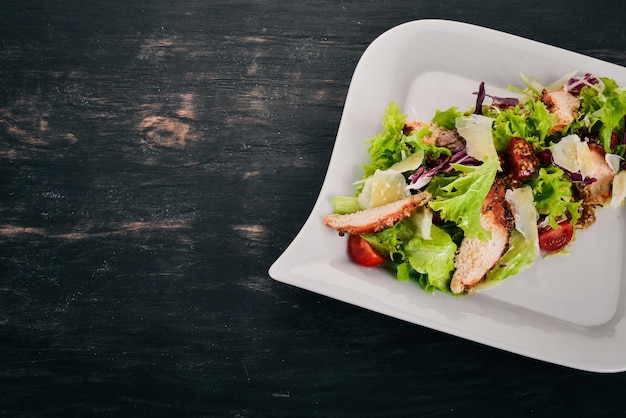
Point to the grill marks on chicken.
(376, 219)
(475, 257)
(562, 104)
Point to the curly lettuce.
(531, 121)
(459, 199)
(552, 192)
(428, 261)
(433, 259)
(604, 111)
(392, 145)
(446, 118)
(389, 146)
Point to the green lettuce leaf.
(604, 111)
(541, 122)
(520, 255)
(508, 123)
(552, 192)
(433, 259)
(446, 118)
(392, 145)
(389, 146)
(531, 121)
(429, 262)
(459, 199)
(390, 241)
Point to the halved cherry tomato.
(553, 240)
(362, 252)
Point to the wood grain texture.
(156, 158)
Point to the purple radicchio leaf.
(497, 102)
(460, 157)
(480, 98)
(419, 179)
(422, 176)
(545, 156)
(504, 102)
(577, 177)
(575, 84)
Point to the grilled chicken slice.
(601, 190)
(376, 219)
(563, 104)
(476, 257)
(411, 125)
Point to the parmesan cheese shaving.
(524, 213)
(477, 132)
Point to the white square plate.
(568, 310)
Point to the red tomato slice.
(362, 252)
(553, 240)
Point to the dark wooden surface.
(156, 157)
